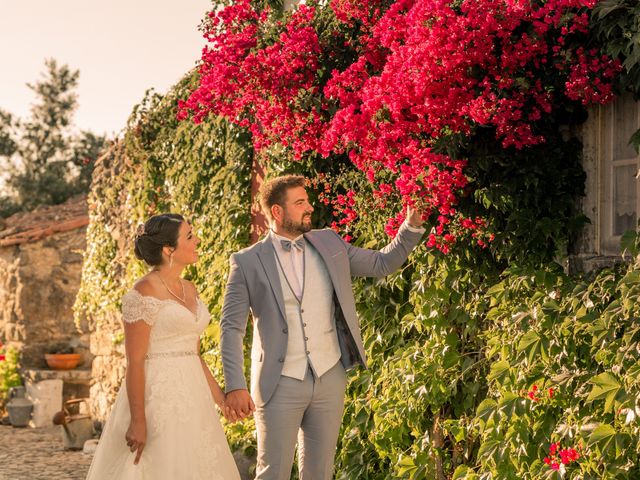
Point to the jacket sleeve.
(379, 263)
(233, 325)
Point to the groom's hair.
(274, 191)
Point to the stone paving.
(37, 453)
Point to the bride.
(164, 425)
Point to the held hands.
(414, 217)
(238, 405)
(136, 438)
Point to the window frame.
(609, 243)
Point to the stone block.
(46, 396)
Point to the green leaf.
(486, 410)
(406, 465)
(602, 436)
(605, 7)
(463, 472)
(634, 372)
(453, 428)
(605, 386)
(497, 288)
(628, 243)
(530, 345)
(631, 278)
(635, 140)
(487, 449)
(510, 404)
(499, 370)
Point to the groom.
(296, 283)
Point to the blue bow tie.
(287, 244)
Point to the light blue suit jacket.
(254, 286)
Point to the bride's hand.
(220, 400)
(136, 438)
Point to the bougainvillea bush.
(397, 86)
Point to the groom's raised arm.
(233, 326)
(379, 263)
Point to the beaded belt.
(151, 356)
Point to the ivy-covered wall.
(202, 172)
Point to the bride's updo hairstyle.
(157, 232)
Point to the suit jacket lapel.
(267, 256)
(325, 253)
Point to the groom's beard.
(297, 228)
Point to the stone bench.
(48, 389)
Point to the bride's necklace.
(184, 296)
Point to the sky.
(121, 47)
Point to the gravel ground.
(37, 453)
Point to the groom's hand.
(238, 405)
(414, 217)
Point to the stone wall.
(40, 266)
(108, 368)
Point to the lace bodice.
(175, 328)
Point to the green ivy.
(9, 373)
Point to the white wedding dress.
(185, 440)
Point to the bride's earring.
(171, 260)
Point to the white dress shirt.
(292, 262)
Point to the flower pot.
(62, 361)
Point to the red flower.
(559, 456)
(568, 455)
(532, 394)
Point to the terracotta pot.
(62, 361)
